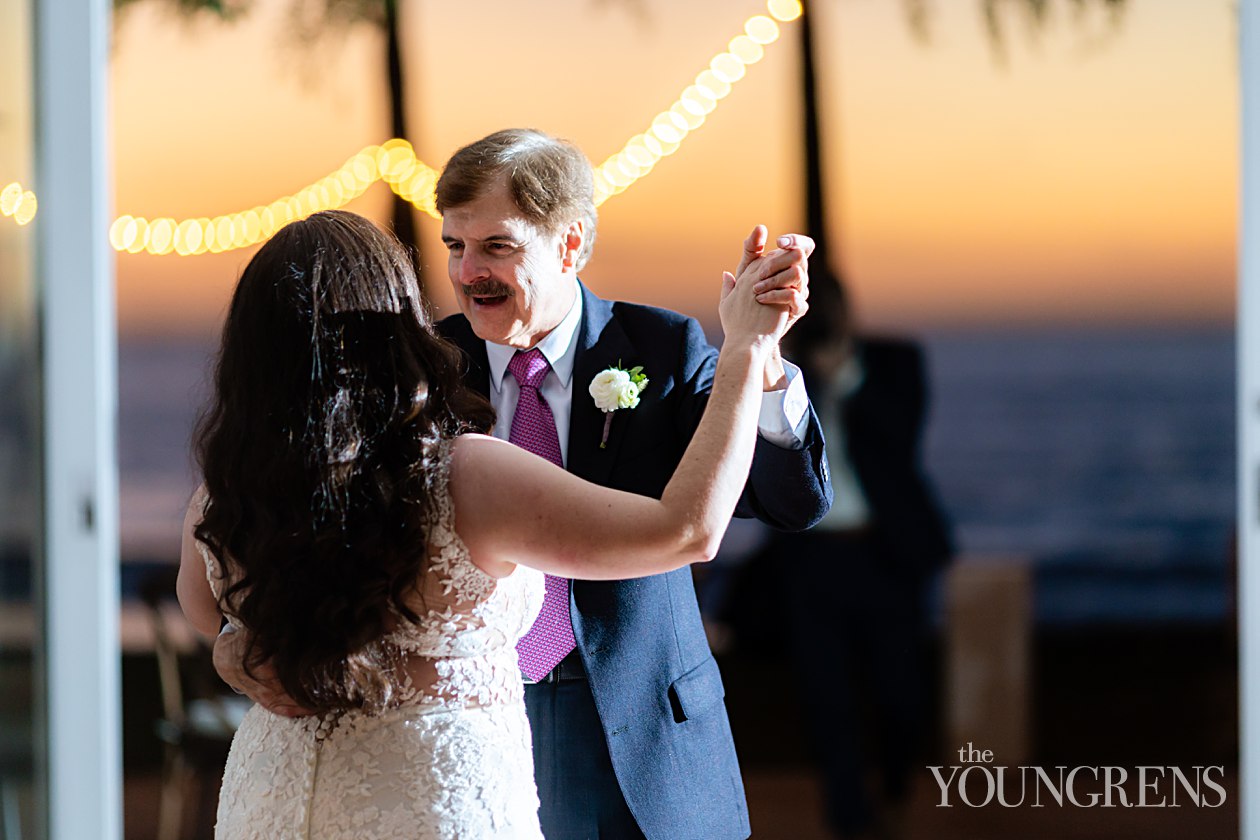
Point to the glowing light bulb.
(666, 134)
(222, 233)
(133, 236)
(118, 232)
(266, 222)
(336, 193)
(762, 29)
(29, 206)
(161, 236)
(784, 10)
(727, 67)
(699, 98)
(419, 185)
(668, 148)
(9, 198)
(692, 118)
(603, 187)
(349, 184)
(709, 82)
(203, 233)
(669, 128)
(281, 211)
(238, 230)
(394, 158)
(138, 239)
(188, 237)
(627, 166)
(252, 219)
(746, 49)
(638, 152)
(613, 173)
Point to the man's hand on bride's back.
(260, 685)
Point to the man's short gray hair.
(550, 180)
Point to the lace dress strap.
(449, 560)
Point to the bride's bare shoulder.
(476, 439)
(494, 468)
(473, 447)
(476, 458)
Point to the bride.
(385, 555)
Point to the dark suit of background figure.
(855, 585)
(655, 684)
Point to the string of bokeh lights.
(395, 163)
(17, 203)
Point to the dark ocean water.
(1106, 459)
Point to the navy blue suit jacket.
(656, 684)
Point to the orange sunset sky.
(1088, 178)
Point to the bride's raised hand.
(784, 271)
(745, 321)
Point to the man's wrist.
(774, 376)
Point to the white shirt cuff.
(785, 413)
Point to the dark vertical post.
(402, 213)
(827, 254)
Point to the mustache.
(487, 288)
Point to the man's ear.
(574, 236)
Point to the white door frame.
(1249, 419)
(75, 284)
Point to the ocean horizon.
(1103, 457)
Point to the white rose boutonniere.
(616, 388)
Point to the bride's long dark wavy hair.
(332, 393)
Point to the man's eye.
(454, 247)
(499, 247)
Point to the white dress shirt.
(850, 510)
(783, 413)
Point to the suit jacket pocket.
(696, 691)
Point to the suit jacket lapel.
(601, 344)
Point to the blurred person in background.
(856, 584)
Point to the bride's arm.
(514, 507)
(191, 586)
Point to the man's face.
(514, 281)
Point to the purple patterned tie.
(534, 429)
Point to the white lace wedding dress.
(450, 759)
